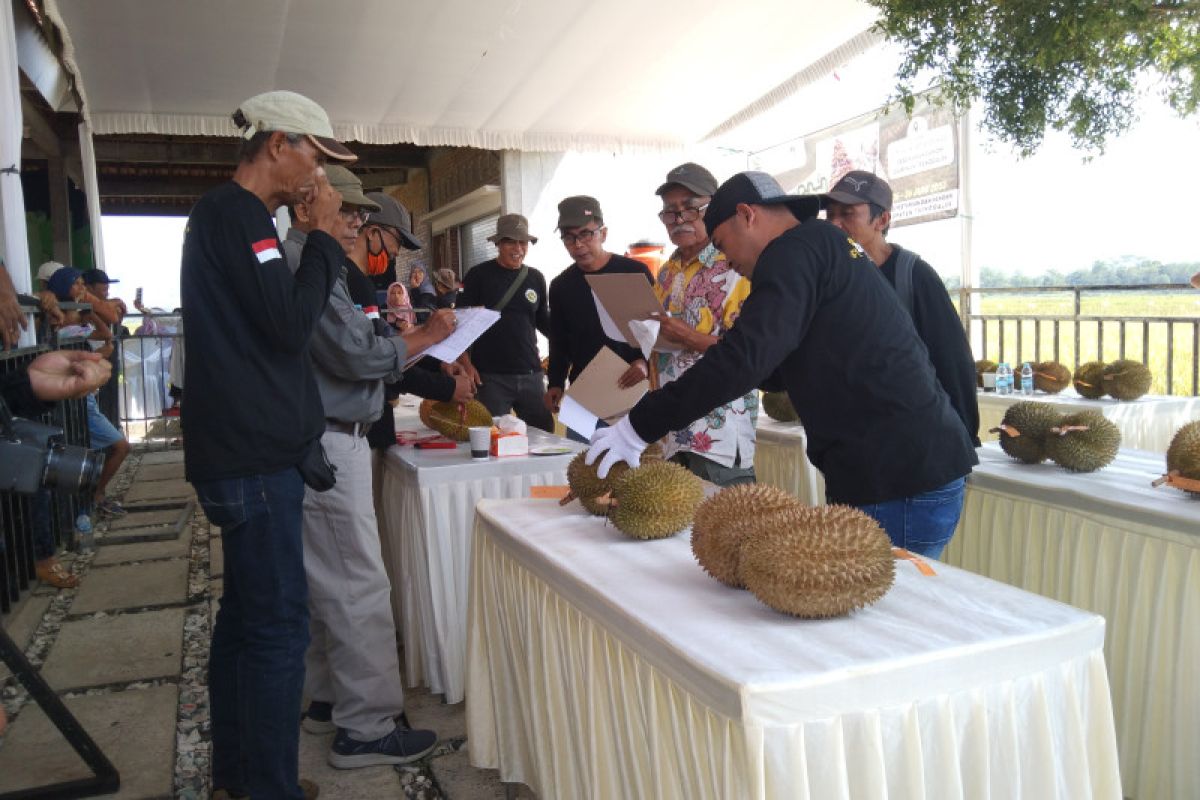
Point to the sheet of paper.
(606, 322)
(472, 322)
(646, 333)
(596, 387)
(577, 418)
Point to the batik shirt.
(707, 294)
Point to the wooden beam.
(39, 129)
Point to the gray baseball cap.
(859, 186)
(350, 187)
(693, 177)
(756, 189)
(395, 216)
(290, 112)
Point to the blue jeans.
(256, 666)
(923, 523)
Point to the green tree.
(1033, 65)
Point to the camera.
(33, 456)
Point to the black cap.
(579, 210)
(92, 277)
(859, 186)
(394, 215)
(693, 177)
(756, 189)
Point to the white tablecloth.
(780, 460)
(603, 667)
(1107, 542)
(1147, 423)
(429, 507)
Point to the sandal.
(56, 575)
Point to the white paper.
(646, 333)
(472, 322)
(606, 322)
(577, 418)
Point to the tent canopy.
(538, 75)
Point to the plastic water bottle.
(85, 533)
(1026, 378)
(1004, 378)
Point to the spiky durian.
(453, 420)
(592, 490)
(1051, 377)
(821, 561)
(982, 366)
(723, 520)
(779, 406)
(1183, 454)
(1089, 380)
(1083, 442)
(655, 500)
(1127, 379)
(1024, 428)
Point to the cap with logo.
(859, 186)
(579, 210)
(512, 226)
(350, 187)
(693, 177)
(92, 277)
(290, 112)
(47, 269)
(394, 215)
(756, 189)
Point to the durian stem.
(1009, 430)
(1085, 383)
(1065, 429)
(568, 497)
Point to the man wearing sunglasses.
(702, 295)
(575, 332)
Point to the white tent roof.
(498, 74)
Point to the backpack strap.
(512, 288)
(905, 259)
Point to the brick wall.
(455, 171)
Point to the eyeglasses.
(585, 235)
(685, 215)
(351, 214)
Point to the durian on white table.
(429, 501)
(780, 460)
(1147, 423)
(604, 667)
(1109, 542)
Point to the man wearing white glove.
(620, 442)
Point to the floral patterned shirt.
(707, 294)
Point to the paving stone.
(153, 583)
(21, 623)
(427, 710)
(162, 457)
(367, 783)
(216, 557)
(134, 728)
(157, 490)
(145, 519)
(103, 650)
(458, 780)
(121, 553)
(160, 472)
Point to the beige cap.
(291, 113)
(47, 269)
(349, 186)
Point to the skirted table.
(1108, 542)
(603, 667)
(429, 508)
(1147, 423)
(780, 460)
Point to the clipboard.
(623, 297)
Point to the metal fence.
(1157, 324)
(147, 363)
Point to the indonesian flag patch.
(265, 250)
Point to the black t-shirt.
(821, 317)
(510, 346)
(575, 332)
(252, 404)
(941, 330)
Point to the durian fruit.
(779, 406)
(1183, 456)
(820, 561)
(982, 366)
(1089, 380)
(453, 420)
(1051, 377)
(1024, 429)
(1127, 379)
(1083, 442)
(592, 490)
(723, 521)
(655, 500)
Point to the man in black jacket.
(253, 415)
(860, 203)
(822, 323)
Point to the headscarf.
(404, 311)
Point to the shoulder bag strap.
(512, 288)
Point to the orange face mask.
(377, 262)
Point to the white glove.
(622, 444)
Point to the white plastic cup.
(481, 441)
(989, 381)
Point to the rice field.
(1160, 329)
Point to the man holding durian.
(822, 323)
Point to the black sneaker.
(398, 747)
(318, 719)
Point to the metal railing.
(1076, 324)
(146, 406)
